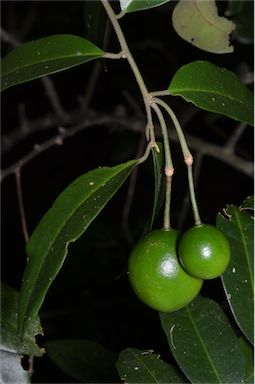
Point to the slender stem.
(21, 205)
(169, 169)
(185, 150)
(193, 196)
(127, 54)
(165, 92)
(109, 55)
(168, 159)
(187, 157)
(146, 153)
(120, 15)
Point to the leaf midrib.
(60, 230)
(145, 366)
(196, 90)
(245, 248)
(203, 346)
(209, 21)
(48, 61)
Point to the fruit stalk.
(169, 169)
(188, 158)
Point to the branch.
(136, 125)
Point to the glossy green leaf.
(45, 56)
(203, 343)
(157, 166)
(11, 369)
(214, 89)
(249, 360)
(71, 214)
(83, 360)
(140, 5)
(238, 279)
(135, 366)
(198, 23)
(10, 340)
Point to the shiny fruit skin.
(156, 274)
(204, 251)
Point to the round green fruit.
(204, 251)
(156, 274)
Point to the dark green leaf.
(157, 165)
(83, 360)
(248, 203)
(238, 281)
(214, 89)
(136, 366)
(249, 360)
(198, 23)
(203, 343)
(10, 340)
(11, 369)
(45, 56)
(139, 5)
(71, 214)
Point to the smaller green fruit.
(204, 251)
(156, 274)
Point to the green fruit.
(204, 251)
(156, 275)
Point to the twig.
(231, 143)
(24, 122)
(8, 38)
(61, 136)
(90, 88)
(200, 146)
(53, 97)
(21, 204)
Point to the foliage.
(208, 342)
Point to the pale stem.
(192, 195)
(21, 205)
(184, 146)
(169, 169)
(127, 54)
(165, 92)
(109, 55)
(146, 153)
(187, 157)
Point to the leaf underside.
(10, 340)
(198, 23)
(140, 5)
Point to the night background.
(91, 297)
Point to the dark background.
(91, 297)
